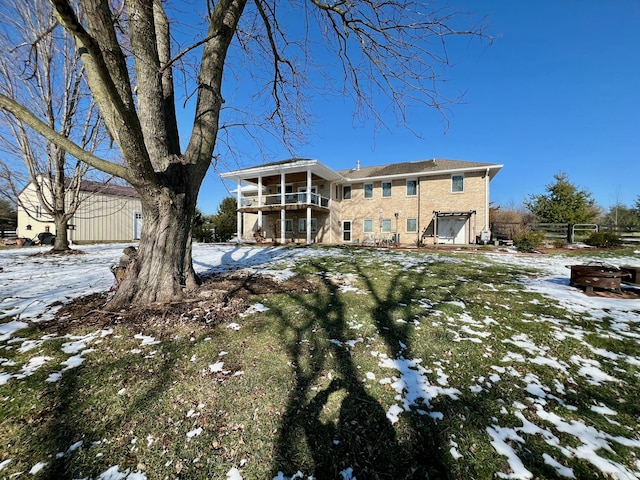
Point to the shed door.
(452, 230)
(137, 225)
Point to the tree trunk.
(61, 242)
(162, 270)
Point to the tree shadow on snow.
(362, 438)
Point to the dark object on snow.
(597, 275)
(634, 275)
(130, 254)
(46, 238)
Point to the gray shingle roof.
(408, 168)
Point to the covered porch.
(295, 190)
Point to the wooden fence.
(562, 232)
(7, 231)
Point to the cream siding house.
(107, 213)
(430, 201)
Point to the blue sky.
(557, 91)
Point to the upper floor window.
(386, 189)
(368, 190)
(412, 188)
(346, 192)
(457, 183)
(38, 211)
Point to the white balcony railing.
(289, 199)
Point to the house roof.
(270, 171)
(104, 188)
(108, 189)
(435, 166)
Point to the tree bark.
(163, 270)
(61, 243)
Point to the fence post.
(570, 233)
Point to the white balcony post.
(260, 203)
(239, 217)
(308, 207)
(283, 224)
(282, 189)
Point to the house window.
(346, 192)
(386, 226)
(287, 188)
(368, 190)
(412, 188)
(38, 211)
(302, 225)
(346, 231)
(288, 225)
(457, 183)
(386, 189)
(368, 225)
(412, 225)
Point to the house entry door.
(346, 231)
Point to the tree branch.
(23, 114)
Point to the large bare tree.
(389, 50)
(41, 69)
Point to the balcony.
(292, 201)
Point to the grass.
(303, 387)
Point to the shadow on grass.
(362, 438)
(72, 415)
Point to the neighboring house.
(429, 201)
(107, 213)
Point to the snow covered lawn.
(366, 362)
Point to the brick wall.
(433, 194)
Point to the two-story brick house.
(431, 201)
